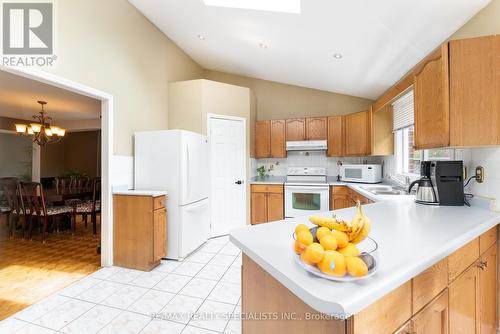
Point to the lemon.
(333, 263)
(312, 254)
(356, 267)
(322, 231)
(349, 250)
(301, 227)
(298, 247)
(342, 238)
(305, 237)
(329, 242)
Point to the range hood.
(306, 145)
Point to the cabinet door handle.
(482, 265)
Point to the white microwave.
(361, 173)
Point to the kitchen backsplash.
(489, 158)
(309, 159)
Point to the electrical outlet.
(479, 174)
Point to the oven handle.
(301, 186)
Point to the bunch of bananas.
(357, 230)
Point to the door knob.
(239, 182)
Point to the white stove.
(306, 191)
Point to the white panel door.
(228, 189)
(194, 168)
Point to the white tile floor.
(185, 296)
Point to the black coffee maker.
(441, 183)
(425, 192)
(447, 178)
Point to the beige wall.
(276, 100)
(486, 22)
(110, 46)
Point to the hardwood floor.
(31, 270)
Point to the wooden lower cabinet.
(426, 304)
(488, 291)
(464, 302)
(267, 203)
(433, 319)
(139, 231)
(343, 197)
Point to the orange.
(333, 263)
(329, 242)
(312, 254)
(356, 267)
(298, 247)
(321, 232)
(349, 250)
(342, 238)
(301, 227)
(305, 237)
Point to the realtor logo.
(28, 33)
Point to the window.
(407, 158)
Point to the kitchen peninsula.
(429, 257)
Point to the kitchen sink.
(384, 190)
(390, 192)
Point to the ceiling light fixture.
(337, 55)
(42, 132)
(282, 6)
(263, 46)
(201, 37)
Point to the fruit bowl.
(338, 262)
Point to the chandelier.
(41, 131)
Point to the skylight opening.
(282, 6)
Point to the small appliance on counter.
(425, 191)
(441, 183)
(361, 173)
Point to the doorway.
(47, 164)
(228, 195)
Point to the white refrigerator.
(177, 161)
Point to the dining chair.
(92, 207)
(63, 183)
(34, 200)
(13, 204)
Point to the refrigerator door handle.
(188, 171)
(196, 206)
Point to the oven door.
(301, 200)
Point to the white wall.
(489, 158)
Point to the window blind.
(403, 111)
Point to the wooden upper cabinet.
(316, 128)
(382, 135)
(433, 319)
(278, 139)
(296, 129)
(336, 131)
(358, 133)
(432, 107)
(475, 91)
(262, 139)
(488, 287)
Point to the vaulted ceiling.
(378, 40)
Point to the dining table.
(54, 195)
